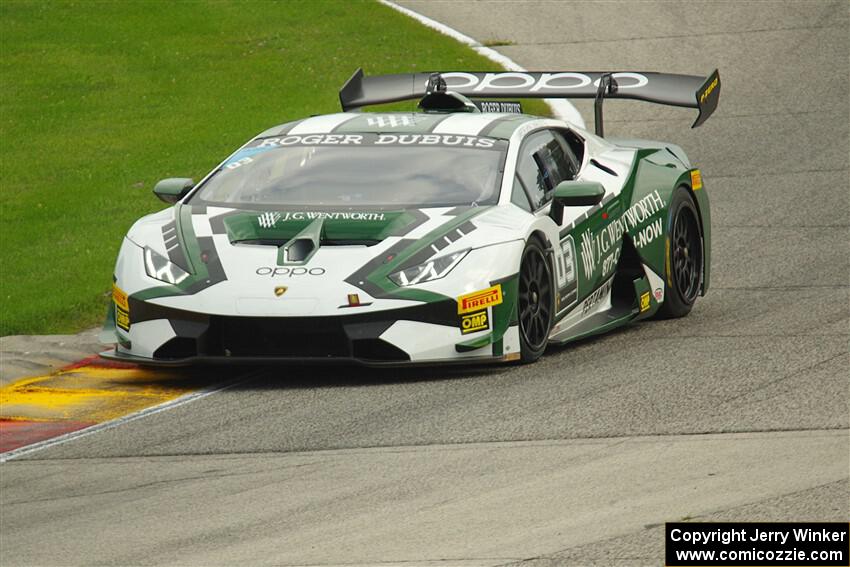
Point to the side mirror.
(173, 189)
(575, 194)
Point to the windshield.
(351, 170)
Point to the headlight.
(160, 268)
(429, 271)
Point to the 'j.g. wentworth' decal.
(268, 220)
(277, 227)
(597, 245)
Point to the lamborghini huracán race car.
(464, 232)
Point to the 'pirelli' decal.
(479, 299)
(122, 308)
(120, 298)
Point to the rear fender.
(692, 181)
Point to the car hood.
(355, 248)
(332, 227)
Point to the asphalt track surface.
(738, 412)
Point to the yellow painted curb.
(89, 393)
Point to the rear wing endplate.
(688, 91)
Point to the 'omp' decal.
(474, 322)
(644, 302)
(479, 299)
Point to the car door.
(594, 235)
(545, 159)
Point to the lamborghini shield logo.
(280, 290)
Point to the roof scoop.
(438, 99)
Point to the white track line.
(562, 109)
(171, 404)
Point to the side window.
(518, 196)
(571, 162)
(529, 171)
(544, 161)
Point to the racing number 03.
(566, 275)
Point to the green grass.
(100, 100)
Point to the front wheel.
(684, 259)
(534, 308)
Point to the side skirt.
(627, 285)
(594, 325)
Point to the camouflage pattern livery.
(203, 282)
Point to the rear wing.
(688, 91)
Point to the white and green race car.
(446, 235)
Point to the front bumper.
(425, 333)
(277, 360)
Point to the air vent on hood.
(299, 250)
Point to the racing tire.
(685, 257)
(535, 301)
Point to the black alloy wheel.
(685, 257)
(686, 249)
(534, 306)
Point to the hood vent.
(339, 228)
(298, 250)
(303, 245)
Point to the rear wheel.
(684, 257)
(534, 307)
